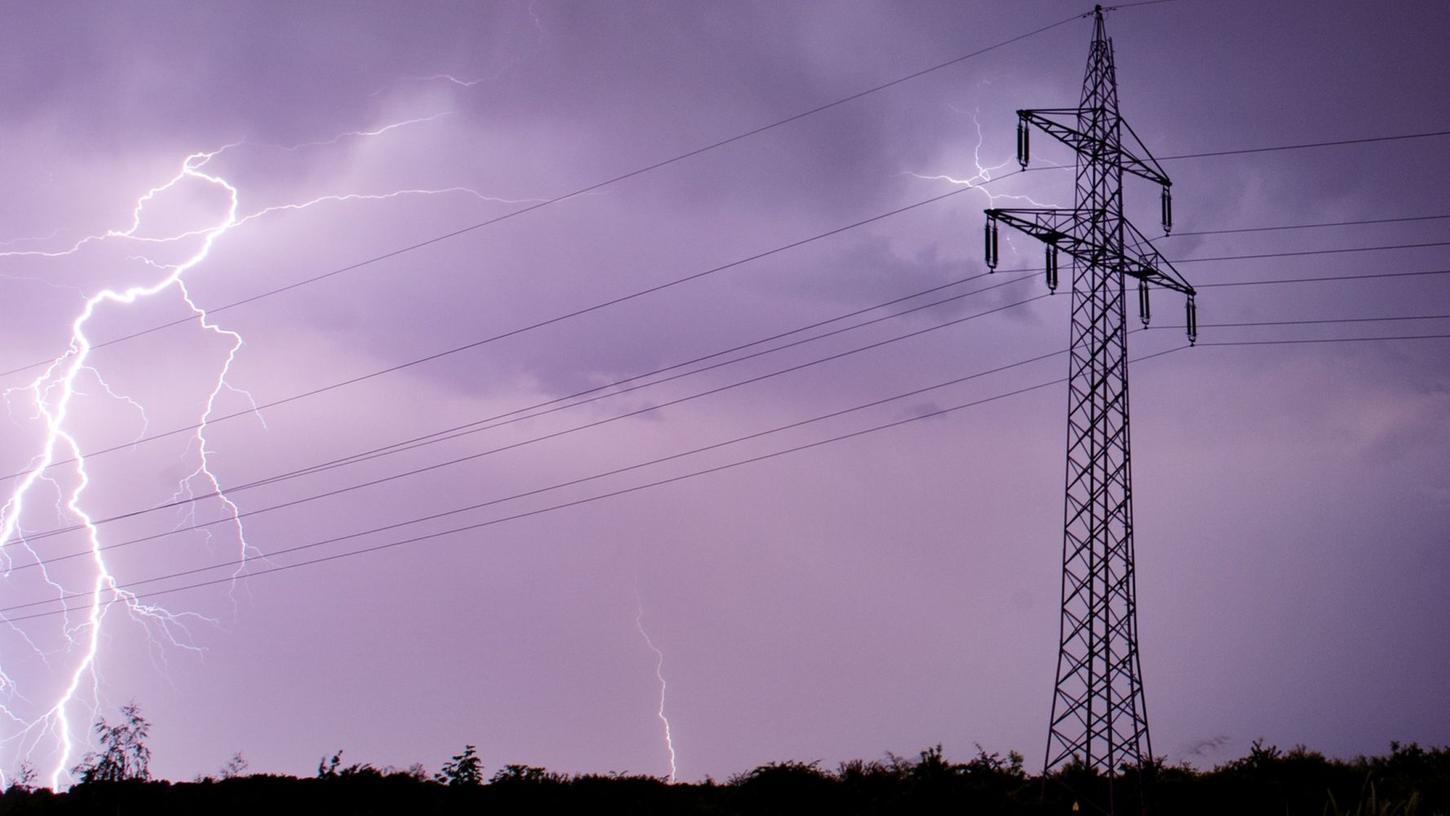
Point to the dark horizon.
(1267, 781)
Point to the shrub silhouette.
(235, 767)
(524, 775)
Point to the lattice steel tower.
(1098, 711)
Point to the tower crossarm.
(1068, 231)
(1047, 120)
(1152, 267)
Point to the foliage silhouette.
(234, 767)
(462, 769)
(524, 775)
(123, 755)
(1409, 781)
(24, 778)
(327, 766)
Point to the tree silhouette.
(24, 778)
(123, 753)
(235, 767)
(462, 769)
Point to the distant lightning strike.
(981, 177)
(53, 735)
(659, 676)
(357, 134)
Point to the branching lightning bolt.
(53, 393)
(978, 180)
(54, 735)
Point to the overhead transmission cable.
(616, 471)
(254, 409)
(1304, 340)
(1209, 154)
(598, 497)
(410, 443)
(37, 536)
(1282, 227)
(638, 293)
(471, 457)
(1312, 321)
(1305, 252)
(1325, 278)
(606, 391)
(1399, 137)
(434, 438)
(636, 466)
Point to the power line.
(1327, 278)
(1338, 251)
(1307, 145)
(521, 330)
(624, 491)
(418, 441)
(1312, 322)
(521, 414)
(1275, 148)
(453, 433)
(606, 390)
(1122, 6)
(588, 499)
(1324, 340)
(579, 191)
(409, 444)
(252, 411)
(478, 455)
(1180, 234)
(412, 443)
(440, 437)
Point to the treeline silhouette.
(1408, 781)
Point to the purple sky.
(885, 593)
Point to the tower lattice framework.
(1099, 714)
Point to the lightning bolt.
(659, 676)
(55, 733)
(53, 394)
(362, 134)
(983, 176)
(449, 78)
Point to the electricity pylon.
(1099, 716)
